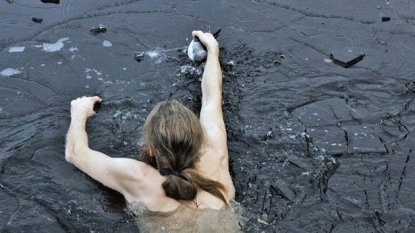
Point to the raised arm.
(115, 173)
(211, 115)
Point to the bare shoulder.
(214, 165)
(147, 189)
(132, 175)
(131, 168)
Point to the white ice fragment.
(157, 54)
(106, 43)
(88, 70)
(186, 68)
(73, 49)
(59, 63)
(97, 72)
(9, 72)
(55, 46)
(16, 49)
(307, 173)
(153, 54)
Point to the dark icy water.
(314, 147)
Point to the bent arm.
(115, 173)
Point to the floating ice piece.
(106, 43)
(346, 58)
(51, 1)
(10, 72)
(53, 47)
(37, 20)
(16, 49)
(138, 56)
(88, 71)
(100, 29)
(386, 18)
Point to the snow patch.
(16, 49)
(10, 72)
(54, 47)
(106, 43)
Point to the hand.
(84, 107)
(207, 40)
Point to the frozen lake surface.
(314, 146)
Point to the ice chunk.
(9, 72)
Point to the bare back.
(150, 191)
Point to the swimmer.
(184, 172)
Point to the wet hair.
(172, 142)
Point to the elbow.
(69, 155)
(73, 152)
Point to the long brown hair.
(172, 141)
